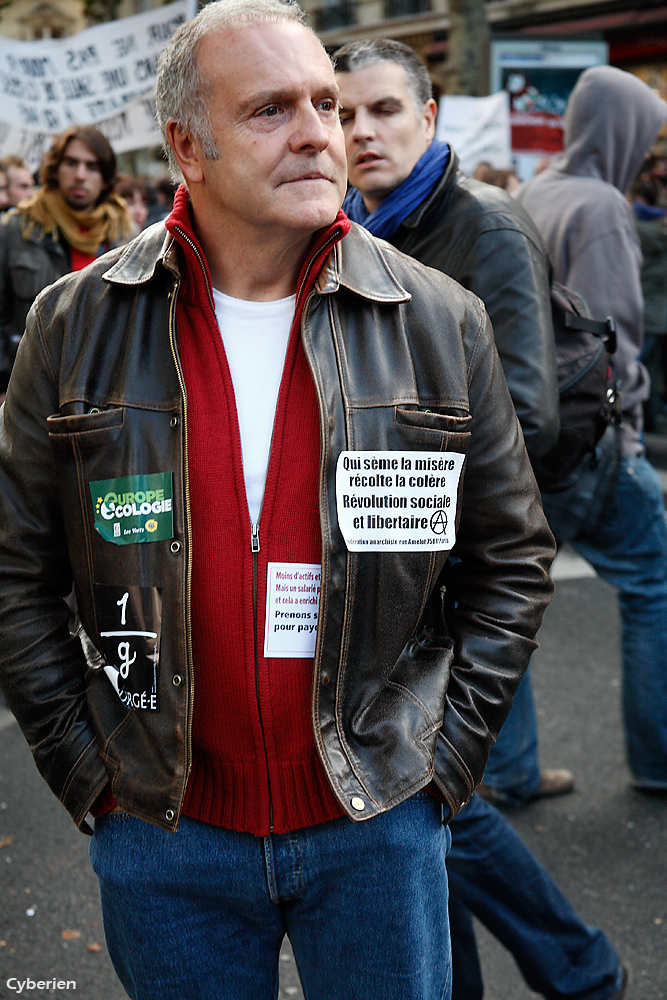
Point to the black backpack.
(589, 395)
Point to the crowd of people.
(75, 209)
(186, 406)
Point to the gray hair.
(356, 55)
(181, 89)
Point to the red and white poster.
(539, 77)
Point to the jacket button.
(173, 422)
(175, 547)
(324, 680)
(177, 680)
(358, 804)
(332, 422)
(170, 815)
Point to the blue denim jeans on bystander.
(622, 533)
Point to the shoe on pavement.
(625, 983)
(553, 781)
(650, 789)
(558, 781)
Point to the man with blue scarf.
(407, 189)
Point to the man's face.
(385, 133)
(20, 184)
(274, 118)
(79, 176)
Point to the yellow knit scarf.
(85, 231)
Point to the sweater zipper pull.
(254, 538)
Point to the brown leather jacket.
(417, 657)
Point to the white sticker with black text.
(130, 623)
(397, 500)
(292, 609)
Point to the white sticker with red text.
(397, 500)
(292, 609)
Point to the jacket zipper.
(199, 257)
(188, 524)
(325, 246)
(254, 548)
(254, 528)
(320, 404)
(321, 407)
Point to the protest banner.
(104, 76)
(478, 128)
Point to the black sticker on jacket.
(130, 623)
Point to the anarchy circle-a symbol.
(439, 522)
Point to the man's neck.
(252, 269)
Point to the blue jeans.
(622, 533)
(513, 766)
(494, 875)
(200, 914)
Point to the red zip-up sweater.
(255, 765)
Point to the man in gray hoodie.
(613, 513)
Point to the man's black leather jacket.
(417, 658)
(480, 236)
(27, 265)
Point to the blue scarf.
(403, 200)
(646, 213)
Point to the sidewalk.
(606, 844)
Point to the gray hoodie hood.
(611, 121)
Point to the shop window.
(404, 8)
(46, 20)
(337, 14)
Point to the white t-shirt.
(255, 336)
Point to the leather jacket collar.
(354, 264)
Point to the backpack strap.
(606, 329)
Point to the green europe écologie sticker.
(133, 509)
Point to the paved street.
(605, 844)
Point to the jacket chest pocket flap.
(443, 428)
(87, 430)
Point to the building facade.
(636, 35)
(29, 20)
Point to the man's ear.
(429, 115)
(187, 151)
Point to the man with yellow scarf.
(69, 221)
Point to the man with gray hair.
(248, 443)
